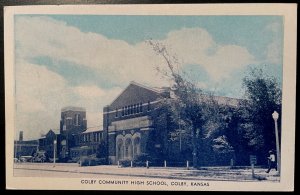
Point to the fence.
(165, 163)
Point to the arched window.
(136, 147)
(120, 149)
(128, 148)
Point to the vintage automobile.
(39, 156)
(25, 158)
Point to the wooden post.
(187, 165)
(231, 163)
(131, 164)
(147, 164)
(252, 167)
(165, 163)
(118, 163)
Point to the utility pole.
(54, 152)
(179, 135)
(275, 116)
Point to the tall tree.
(264, 97)
(189, 108)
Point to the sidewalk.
(209, 173)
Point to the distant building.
(74, 138)
(46, 143)
(73, 121)
(25, 148)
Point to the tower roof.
(73, 108)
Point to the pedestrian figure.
(271, 161)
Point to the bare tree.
(189, 107)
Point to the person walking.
(271, 161)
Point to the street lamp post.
(54, 152)
(275, 116)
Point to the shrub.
(101, 161)
(125, 163)
(91, 161)
(141, 160)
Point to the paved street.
(104, 171)
(60, 174)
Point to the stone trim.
(120, 109)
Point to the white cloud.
(89, 91)
(196, 46)
(120, 60)
(274, 49)
(41, 93)
(201, 85)
(274, 52)
(42, 36)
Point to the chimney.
(21, 136)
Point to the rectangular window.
(134, 108)
(129, 110)
(77, 120)
(116, 112)
(122, 111)
(141, 107)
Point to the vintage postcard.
(150, 97)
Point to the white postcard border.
(289, 89)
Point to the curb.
(139, 175)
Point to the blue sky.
(90, 59)
(242, 30)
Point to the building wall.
(129, 120)
(25, 148)
(47, 144)
(86, 143)
(73, 120)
